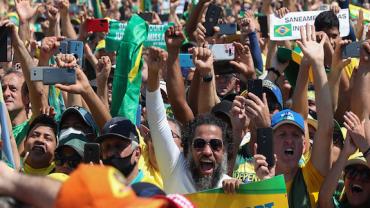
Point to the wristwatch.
(207, 78)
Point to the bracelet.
(276, 72)
(366, 153)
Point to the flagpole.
(5, 136)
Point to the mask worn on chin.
(122, 164)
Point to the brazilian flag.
(284, 30)
(97, 9)
(127, 75)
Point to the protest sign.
(117, 30)
(354, 10)
(270, 193)
(287, 28)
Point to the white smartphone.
(223, 52)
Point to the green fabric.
(97, 9)
(20, 131)
(56, 101)
(339, 189)
(298, 196)
(127, 76)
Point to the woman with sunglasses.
(356, 170)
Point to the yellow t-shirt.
(150, 174)
(313, 180)
(352, 66)
(40, 171)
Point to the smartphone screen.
(255, 87)
(5, 45)
(92, 153)
(212, 16)
(262, 21)
(352, 50)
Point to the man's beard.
(205, 182)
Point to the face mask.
(65, 132)
(122, 164)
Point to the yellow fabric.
(150, 174)
(246, 172)
(351, 66)
(41, 171)
(313, 180)
(59, 176)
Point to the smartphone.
(147, 16)
(186, 60)
(352, 50)
(92, 153)
(262, 21)
(53, 75)
(211, 20)
(5, 45)
(63, 48)
(97, 25)
(255, 87)
(77, 49)
(227, 29)
(223, 52)
(265, 145)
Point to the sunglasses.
(215, 144)
(72, 161)
(352, 172)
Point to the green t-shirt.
(20, 131)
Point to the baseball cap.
(275, 90)
(75, 141)
(84, 114)
(357, 159)
(101, 186)
(222, 107)
(287, 117)
(119, 127)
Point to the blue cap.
(85, 115)
(119, 127)
(270, 86)
(287, 117)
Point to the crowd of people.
(101, 142)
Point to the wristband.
(366, 153)
(276, 72)
(208, 78)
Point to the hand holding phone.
(227, 29)
(92, 153)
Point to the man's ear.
(137, 154)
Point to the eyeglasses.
(72, 161)
(215, 144)
(352, 172)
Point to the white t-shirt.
(172, 164)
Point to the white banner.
(287, 28)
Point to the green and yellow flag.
(270, 193)
(97, 9)
(283, 30)
(127, 75)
